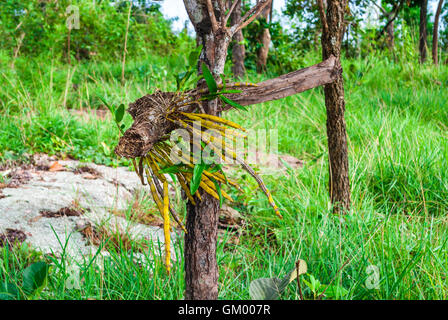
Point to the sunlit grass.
(397, 120)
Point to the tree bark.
(423, 30)
(435, 34)
(265, 40)
(333, 22)
(201, 268)
(389, 27)
(238, 49)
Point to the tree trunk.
(423, 30)
(390, 40)
(435, 34)
(201, 268)
(339, 185)
(238, 49)
(265, 40)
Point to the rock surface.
(38, 201)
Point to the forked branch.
(233, 6)
(211, 13)
(250, 16)
(323, 16)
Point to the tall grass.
(397, 120)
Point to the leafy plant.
(329, 291)
(34, 281)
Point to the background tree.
(264, 38)
(435, 34)
(332, 21)
(389, 15)
(238, 48)
(423, 30)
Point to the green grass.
(397, 120)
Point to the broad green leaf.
(233, 103)
(119, 113)
(34, 277)
(9, 291)
(211, 83)
(197, 176)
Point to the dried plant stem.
(125, 44)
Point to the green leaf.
(171, 169)
(223, 78)
(9, 291)
(232, 103)
(197, 176)
(111, 109)
(178, 79)
(211, 83)
(34, 277)
(336, 292)
(230, 91)
(119, 113)
(215, 168)
(194, 57)
(218, 190)
(173, 177)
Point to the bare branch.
(288, 84)
(235, 2)
(323, 17)
(250, 16)
(379, 7)
(211, 13)
(395, 12)
(222, 7)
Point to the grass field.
(392, 245)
